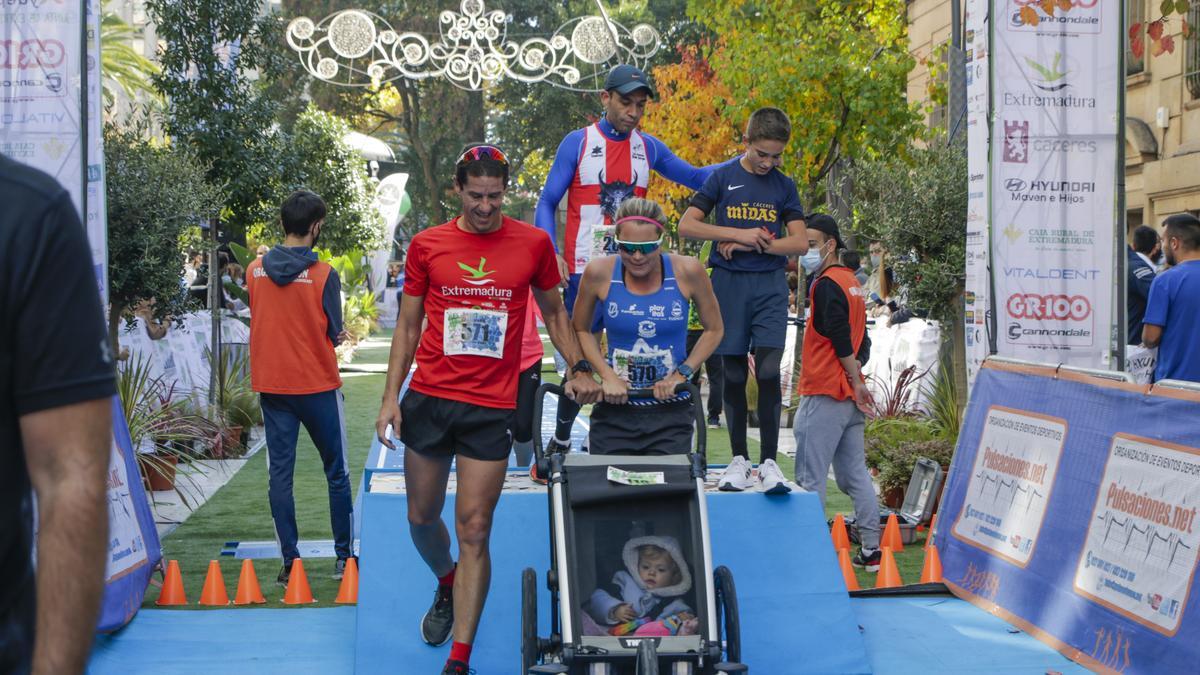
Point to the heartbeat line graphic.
(1013, 486)
(1149, 536)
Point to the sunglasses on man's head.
(482, 152)
(643, 247)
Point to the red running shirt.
(476, 289)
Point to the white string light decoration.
(357, 48)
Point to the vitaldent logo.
(477, 276)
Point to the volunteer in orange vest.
(835, 400)
(295, 322)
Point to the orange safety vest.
(821, 373)
(290, 350)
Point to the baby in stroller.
(645, 598)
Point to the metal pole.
(214, 308)
(84, 25)
(1121, 285)
(611, 29)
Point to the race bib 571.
(477, 332)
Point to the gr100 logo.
(1049, 307)
(26, 54)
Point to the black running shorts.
(439, 427)
(664, 429)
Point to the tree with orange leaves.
(687, 117)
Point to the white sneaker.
(737, 476)
(773, 482)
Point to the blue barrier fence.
(1071, 512)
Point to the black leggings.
(770, 400)
(527, 385)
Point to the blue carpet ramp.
(229, 641)
(919, 635)
(796, 616)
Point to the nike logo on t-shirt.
(731, 188)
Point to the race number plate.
(475, 332)
(642, 369)
(603, 241)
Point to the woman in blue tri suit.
(643, 296)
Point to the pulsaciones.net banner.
(1071, 512)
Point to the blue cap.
(626, 79)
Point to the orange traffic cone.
(248, 591)
(848, 575)
(348, 591)
(172, 589)
(889, 574)
(891, 534)
(931, 571)
(841, 540)
(214, 593)
(929, 537)
(298, 592)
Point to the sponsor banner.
(133, 546)
(1009, 485)
(180, 358)
(1144, 519)
(1073, 503)
(977, 285)
(41, 116)
(1053, 179)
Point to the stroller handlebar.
(550, 388)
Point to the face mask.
(875, 260)
(812, 260)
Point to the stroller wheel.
(647, 658)
(727, 611)
(530, 654)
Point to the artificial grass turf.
(240, 511)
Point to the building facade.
(1162, 105)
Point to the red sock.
(448, 580)
(460, 652)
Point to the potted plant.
(165, 428)
(886, 443)
(235, 407)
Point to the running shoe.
(533, 474)
(285, 573)
(714, 422)
(737, 476)
(439, 620)
(456, 668)
(771, 478)
(869, 561)
(339, 568)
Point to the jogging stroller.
(597, 503)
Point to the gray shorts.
(753, 308)
(642, 430)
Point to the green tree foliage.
(153, 192)
(837, 67)
(327, 165)
(216, 109)
(917, 206)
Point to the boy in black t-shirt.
(759, 223)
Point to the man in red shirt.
(471, 277)
(830, 421)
